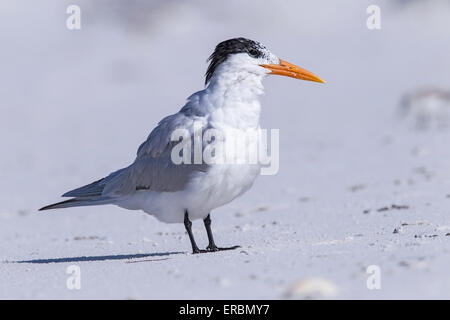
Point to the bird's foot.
(197, 250)
(213, 248)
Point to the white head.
(247, 57)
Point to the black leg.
(188, 225)
(212, 246)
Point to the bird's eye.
(253, 53)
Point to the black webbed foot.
(214, 248)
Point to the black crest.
(227, 47)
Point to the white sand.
(76, 104)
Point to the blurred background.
(76, 104)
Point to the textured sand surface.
(357, 185)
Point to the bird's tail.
(78, 202)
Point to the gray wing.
(152, 173)
(146, 173)
(93, 189)
(152, 169)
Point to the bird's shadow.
(98, 258)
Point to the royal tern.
(181, 192)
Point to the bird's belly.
(205, 192)
(221, 184)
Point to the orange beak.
(290, 70)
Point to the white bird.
(182, 192)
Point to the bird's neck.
(235, 98)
